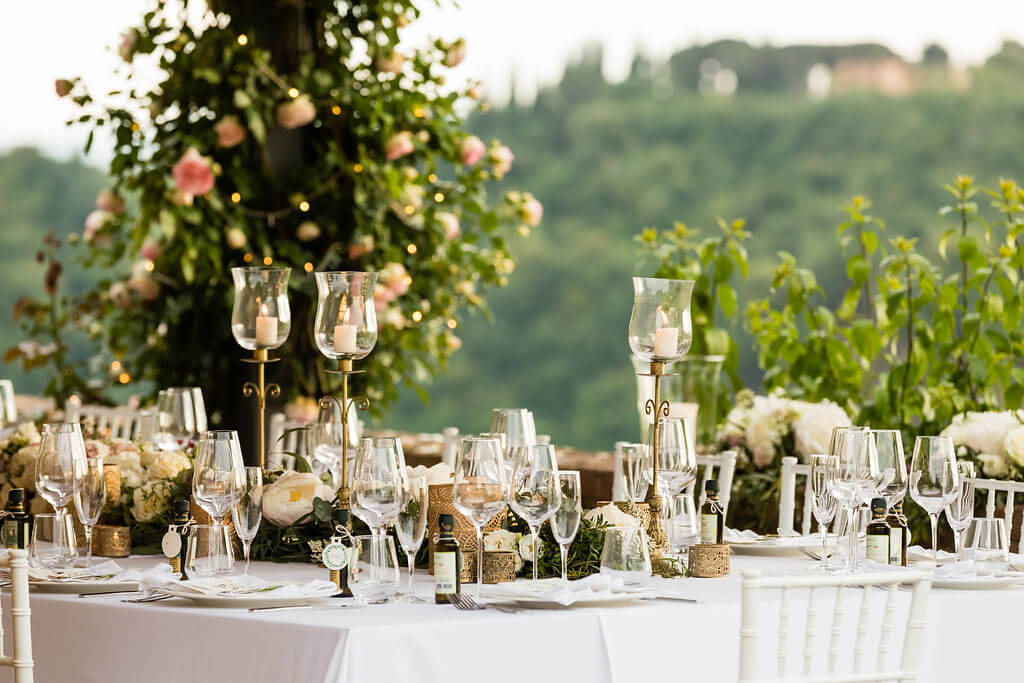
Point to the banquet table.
(969, 636)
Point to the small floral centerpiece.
(993, 440)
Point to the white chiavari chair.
(1010, 488)
(791, 468)
(721, 467)
(21, 618)
(121, 421)
(813, 593)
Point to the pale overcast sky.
(533, 39)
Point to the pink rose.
(120, 296)
(142, 282)
(450, 223)
(94, 222)
(531, 211)
(382, 296)
(391, 63)
(109, 200)
(394, 278)
(126, 50)
(502, 158)
(456, 53)
(229, 132)
(398, 145)
(63, 87)
(95, 449)
(296, 113)
(193, 174)
(150, 250)
(471, 150)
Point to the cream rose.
(471, 150)
(611, 514)
(501, 540)
(28, 431)
(168, 464)
(296, 113)
(398, 145)
(128, 463)
(291, 497)
(151, 500)
(502, 159)
(993, 466)
(96, 449)
(813, 429)
(526, 549)
(307, 231)
(450, 222)
(1013, 445)
(235, 238)
(21, 470)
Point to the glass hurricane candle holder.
(260, 318)
(346, 321)
(659, 328)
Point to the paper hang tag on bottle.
(335, 556)
(171, 544)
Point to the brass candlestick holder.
(656, 407)
(261, 390)
(362, 403)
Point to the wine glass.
(181, 416)
(218, 480)
(960, 510)
(853, 473)
(89, 500)
(248, 512)
(823, 503)
(480, 489)
(636, 466)
(887, 445)
(517, 429)
(934, 479)
(411, 525)
(323, 446)
(535, 492)
(378, 487)
(566, 520)
(677, 457)
(60, 469)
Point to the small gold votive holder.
(111, 541)
(709, 560)
(499, 566)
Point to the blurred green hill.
(607, 160)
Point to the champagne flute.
(480, 489)
(89, 500)
(60, 469)
(823, 504)
(181, 415)
(535, 492)
(411, 525)
(248, 512)
(960, 511)
(636, 464)
(218, 480)
(566, 520)
(934, 479)
(892, 465)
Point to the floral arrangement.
(994, 440)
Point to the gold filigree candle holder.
(343, 406)
(709, 560)
(499, 566)
(261, 390)
(656, 408)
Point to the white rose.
(762, 436)
(129, 465)
(151, 500)
(613, 516)
(95, 448)
(813, 429)
(982, 432)
(148, 453)
(1013, 445)
(500, 540)
(21, 470)
(168, 464)
(28, 431)
(291, 497)
(993, 466)
(526, 548)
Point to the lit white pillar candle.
(666, 338)
(345, 339)
(266, 328)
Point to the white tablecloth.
(970, 636)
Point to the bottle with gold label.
(17, 525)
(447, 561)
(878, 533)
(712, 521)
(899, 536)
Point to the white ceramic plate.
(976, 583)
(781, 547)
(541, 601)
(245, 601)
(83, 587)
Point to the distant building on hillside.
(894, 77)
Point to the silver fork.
(150, 598)
(468, 604)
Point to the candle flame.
(264, 309)
(662, 318)
(344, 313)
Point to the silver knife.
(291, 607)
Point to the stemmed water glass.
(854, 472)
(181, 417)
(636, 465)
(90, 497)
(218, 481)
(412, 524)
(60, 469)
(823, 503)
(515, 427)
(378, 488)
(480, 489)
(960, 511)
(934, 479)
(887, 447)
(566, 520)
(535, 492)
(248, 512)
(677, 457)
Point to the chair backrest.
(121, 421)
(787, 496)
(1010, 488)
(824, 587)
(720, 467)
(21, 615)
(285, 437)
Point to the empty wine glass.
(934, 479)
(636, 466)
(323, 446)
(887, 445)
(248, 511)
(181, 416)
(677, 456)
(960, 511)
(90, 497)
(853, 472)
(823, 503)
(218, 480)
(535, 492)
(681, 523)
(566, 520)
(480, 489)
(517, 429)
(378, 482)
(60, 469)
(411, 525)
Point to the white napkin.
(744, 536)
(872, 566)
(963, 569)
(917, 553)
(553, 590)
(440, 473)
(251, 585)
(104, 569)
(156, 576)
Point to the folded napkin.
(104, 571)
(964, 569)
(744, 536)
(250, 585)
(553, 590)
(917, 553)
